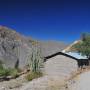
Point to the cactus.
(36, 59)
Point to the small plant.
(36, 62)
(4, 72)
(8, 72)
(13, 72)
(33, 75)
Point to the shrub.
(33, 75)
(13, 72)
(8, 72)
(4, 72)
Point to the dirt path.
(82, 82)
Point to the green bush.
(4, 72)
(33, 75)
(13, 72)
(8, 72)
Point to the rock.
(14, 48)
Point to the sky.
(60, 20)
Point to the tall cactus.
(36, 59)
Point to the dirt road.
(82, 82)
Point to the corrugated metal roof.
(76, 55)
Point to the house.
(60, 65)
(70, 59)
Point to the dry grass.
(33, 75)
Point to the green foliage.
(33, 75)
(83, 46)
(4, 72)
(8, 72)
(13, 72)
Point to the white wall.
(60, 66)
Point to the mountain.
(51, 47)
(16, 48)
(69, 48)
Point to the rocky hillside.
(51, 47)
(69, 48)
(15, 48)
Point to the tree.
(83, 46)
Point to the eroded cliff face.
(13, 48)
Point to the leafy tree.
(83, 46)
